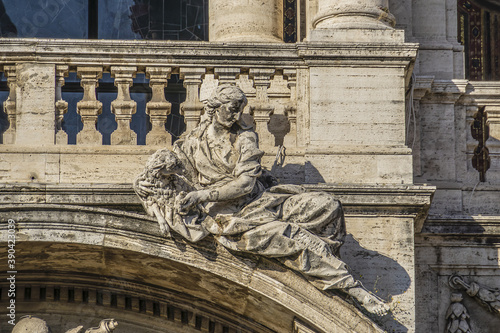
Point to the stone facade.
(371, 106)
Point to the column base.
(344, 34)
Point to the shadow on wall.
(379, 274)
(298, 174)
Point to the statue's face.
(229, 113)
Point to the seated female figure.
(221, 191)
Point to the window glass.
(115, 20)
(170, 19)
(44, 18)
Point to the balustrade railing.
(268, 82)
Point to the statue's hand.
(192, 199)
(143, 188)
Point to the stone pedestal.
(35, 100)
(246, 21)
(357, 119)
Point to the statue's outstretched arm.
(236, 188)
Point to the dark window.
(105, 19)
(478, 31)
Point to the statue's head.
(227, 104)
(30, 324)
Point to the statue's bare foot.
(369, 301)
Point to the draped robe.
(303, 230)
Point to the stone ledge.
(378, 200)
(177, 53)
(123, 243)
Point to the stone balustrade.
(200, 73)
(83, 107)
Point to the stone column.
(261, 109)
(89, 108)
(61, 105)
(192, 108)
(123, 106)
(354, 21)
(158, 108)
(9, 106)
(246, 21)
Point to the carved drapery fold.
(158, 108)
(61, 105)
(123, 106)
(9, 106)
(261, 109)
(192, 108)
(89, 108)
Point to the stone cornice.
(77, 52)
(358, 200)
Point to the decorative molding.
(487, 297)
(457, 316)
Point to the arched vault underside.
(77, 265)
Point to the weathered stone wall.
(460, 235)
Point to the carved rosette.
(89, 108)
(158, 108)
(123, 106)
(192, 108)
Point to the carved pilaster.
(123, 106)
(158, 108)
(9, 106)
(192, 108)
(290, 139)
(261, 109)
(61, 105)
(89, 108)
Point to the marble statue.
(36, 325)
(212, 183)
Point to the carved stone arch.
(76, 262)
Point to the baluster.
(9, 106)
(61, 105)
(89, 108)
(227, 75)
(261, 109)
(123, 106)
(192, 108)
(158, 108)
(290, 140)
